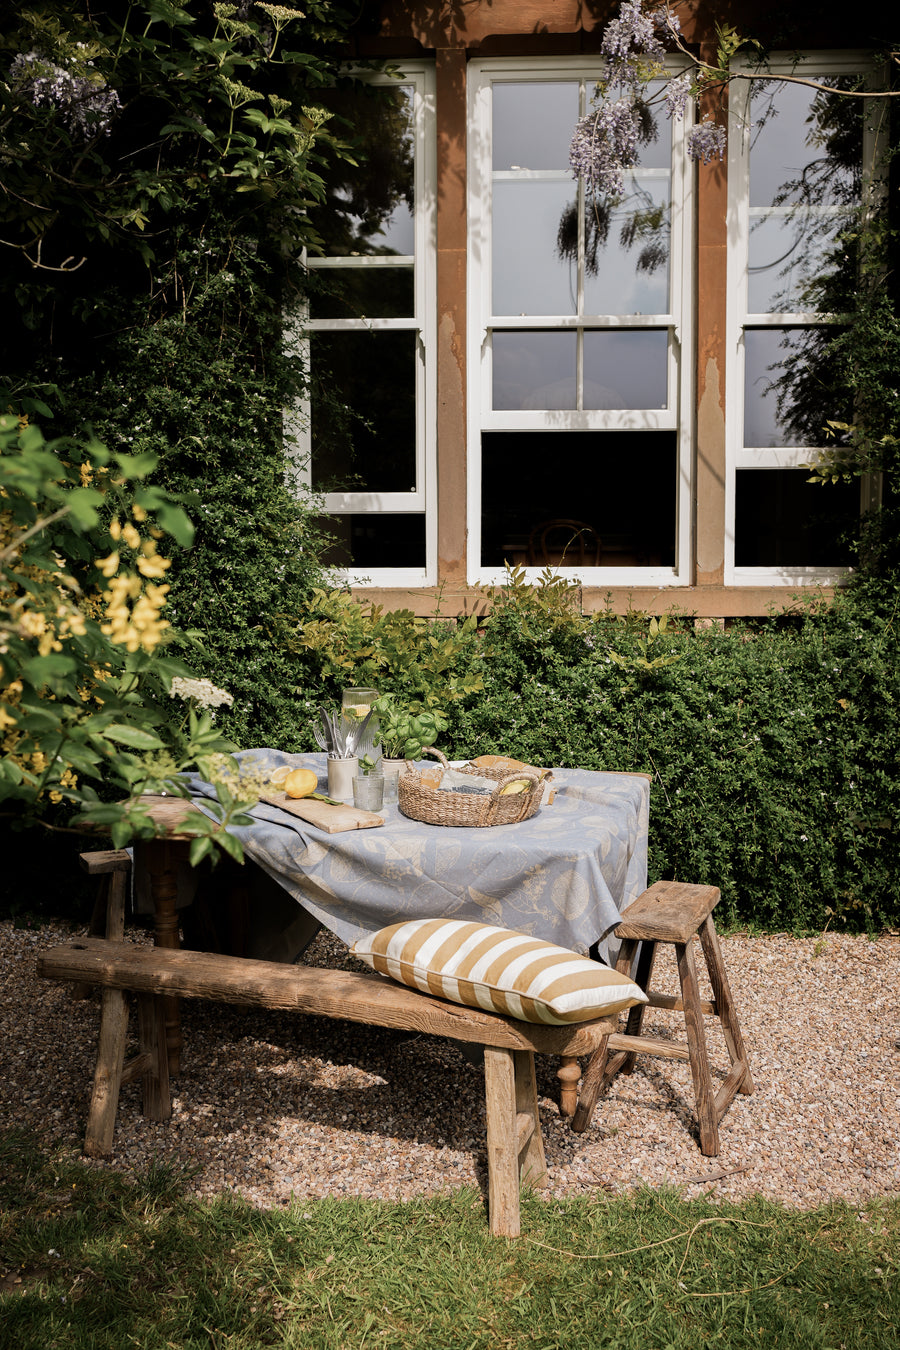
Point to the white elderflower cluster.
(203, 693)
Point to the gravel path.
(271, 1105)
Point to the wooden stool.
(672, 911)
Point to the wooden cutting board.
(331, 819)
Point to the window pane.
(789, 386)
(781, 520)
(627, 251)
(533, 124)
(361, 293)
(565, 487)
(376, 541)
(369, 207)
(805, 161)
(529, 276)
(364, 411)
(625, 369)
(806, 146)
(534, 370)
(787, 255)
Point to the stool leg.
(725, 1008)
(502, 1141)
(699, 1060)
(115, 906)
(601, 1070)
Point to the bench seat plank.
(329, 993)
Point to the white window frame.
(422, 498)
(739, 318)
(678, 323)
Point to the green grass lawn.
(95, 1260)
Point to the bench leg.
(531, 1163)
(107, 1074)
(502, 1141)
(108, 917)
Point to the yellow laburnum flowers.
(133, 608)
(132, 613)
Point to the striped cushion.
(498, 970)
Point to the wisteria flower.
(85, 102)
(707, 141)
(677, 96)
(605, 146)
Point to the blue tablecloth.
(564, 875)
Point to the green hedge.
(773, 749)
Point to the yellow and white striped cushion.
(498, 970)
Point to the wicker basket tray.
(468, 808)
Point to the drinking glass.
(368, 792)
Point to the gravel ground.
(272, 1106)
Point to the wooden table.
(403, 864)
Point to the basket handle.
(428, 750)
(533, 777)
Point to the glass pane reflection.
(529, 277)
(369, 207)
(627, 262)
(364, 411)
(361, 293)
(805, 161)
(533, 124)
(788, 253)
(625, 369)
(806, 146)
(534, 370)
(787, 373)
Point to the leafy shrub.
(424, 663)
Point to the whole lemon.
(300, 783)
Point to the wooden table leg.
(569, 1075)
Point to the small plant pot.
(341, 773)
(368, 791)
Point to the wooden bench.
(514, 1146)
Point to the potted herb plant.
(406, 731)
